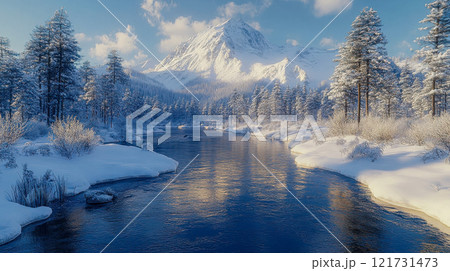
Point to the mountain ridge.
(236, 52)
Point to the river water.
(226, 201)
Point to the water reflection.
(227, 202)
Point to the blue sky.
(162, 24)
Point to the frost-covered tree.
(420, 103)
(312, 104)
(264, 107)
(364, 53)
(255, 100)
(326, 106)
(346, 76)
(435, 50)
(65, 54)
(407, 92)
(114, 68)
(39, 62)
(5, 49)
(113, 87)
(87, 72)
(276, 101)
(389, 94)
(8, 66)
(300, 102)
(131, 101)
(237, 103)
(289, 101)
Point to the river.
(226, 201)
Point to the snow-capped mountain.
(234, 52)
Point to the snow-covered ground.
(107, 162)
(399, 177)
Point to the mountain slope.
(235, 52)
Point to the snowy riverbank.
(399, 177)
(106, 163)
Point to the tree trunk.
(433, 99)
(346, 107)
(359, 103)
(367, 88)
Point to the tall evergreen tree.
(65, 54)
(435, 50)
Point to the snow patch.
(398, 177)
(107, 162)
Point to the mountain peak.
(231, 52)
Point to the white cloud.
(255, 25)
(292, 42)
(325, 7)
(182, 28)
(179, 31)
(140, 59)
(153, 9)
(123, 42)
(328, 43)
(232, 9)
(81, 37)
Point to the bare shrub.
(419, 132)
(7, 154)
(44, 150)
(340, 126)
(434, 154)
(70, 138)
(30, 149)
(440, 132)
(11, 129)
(365, 151)
(433, 132)
(382, 130)
(32, 192)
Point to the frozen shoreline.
(107, 163)
(399, 177)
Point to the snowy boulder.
(99, 196)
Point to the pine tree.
(300, 102)
(10, 78)
(312, 103)
(86, 73)
(264, 107)
(113, 85)
(326, 106)
(65, 55)
(289, 101)
(115, 69)
(407, 94)
(256, 98)
(26, 97)
(435, 50)
(38, 61)
(344, 79)
(420, 103)
(237, 104)
(366, 51)
(389, 94)
(276, 100)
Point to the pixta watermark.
(141, 126)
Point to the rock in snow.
(100, 196)
(106, 163)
